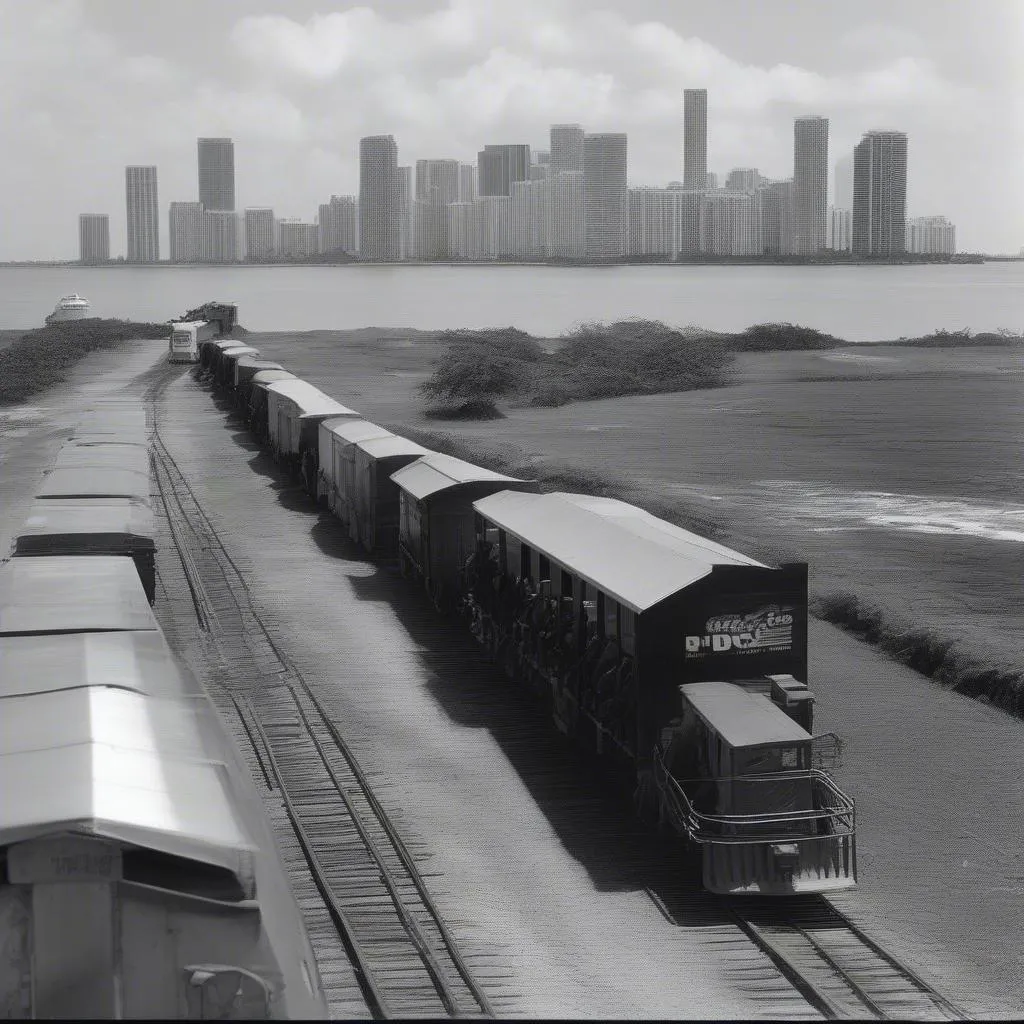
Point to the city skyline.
(297, 90)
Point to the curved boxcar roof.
(72, 594)
(264, 378)
(69, 526)
(742, 718)
(113, 421)
(622, 554)
(113, 454)
(435, 472)
(139, 661)
(388, 446)
(237, 351)
(309, 400)
(350, 431)
(95, 482)
(128, 436)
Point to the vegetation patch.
(44, 357)
(963, 338)
(939, 658)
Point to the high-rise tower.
(379, 197)
(217, 174)
(93, 237)
(880, 194)
(566, 149)
(142, 209)
(695, 138)
(605, 196)
(810, 184)
(499, 166)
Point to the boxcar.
(295, 409)
(127, 419)
(606, 610)
(257, 414)
(377, 503)
(100, 526)
(224, 364)
(436, 531)
(209, 350)
(245, 369)
(141, 878)
(336, 481)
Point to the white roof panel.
(95, 482)
(390, 446)
(72, 594)
(741, 718)
(349, 431)
(93, 524)
(131, 660)
(619, 552)
(264, 378)
(114, 454)
(310, 400)
(436, 472)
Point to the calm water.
(857, 303)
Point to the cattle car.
(187, 339)
(101, 526)
(606, 611)
(436, 527)
(258, 406)
(140, 879)
(377, 504)
(295, 410)
(336, 480)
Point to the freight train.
(671, 657)
(139, 876)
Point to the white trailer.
(187, 336)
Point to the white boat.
(71, 307)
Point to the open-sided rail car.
(377, 503)
(436, 531)
(295, 409)
(336, 482)
(258, 406)
(141, 878)
(99, 526)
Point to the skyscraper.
(185, 235)
(217, 174)
(337, 223)
(143, 215)
(931, 235)
(499, 166)
(810, 183)
(565, 225)
(406, 214)
(260, 234)
(378, 198)
(880, 194)
(566, 149)
(467, 183)
(842, 182)
(695, 138)
(437, 187)
(743, 179)
(93, 237)
(221, 237)
(605, 197)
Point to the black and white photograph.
(511, 509)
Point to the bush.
(41, 358)
(781, 338)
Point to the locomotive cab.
(734, 774)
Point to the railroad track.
(406, 962)
(839, 969)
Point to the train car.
(126, 420)
(141, 878)
(258, 406)
(210, 349)
(224, 374)
(246, 367)
(99, 526)
(436, 526)
(336, 482)
(295, 409)
(377, 502)
(187, 337)
(607, 610)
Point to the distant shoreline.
(967, 259)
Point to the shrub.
(783, 337)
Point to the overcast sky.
(88, 86)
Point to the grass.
(42, 358)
